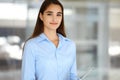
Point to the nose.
(54, 18)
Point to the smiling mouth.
(54, 23)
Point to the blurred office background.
(94, 25)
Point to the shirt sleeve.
(28, 63)
(73, 74)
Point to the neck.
(52, 35)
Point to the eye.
(59, 14)
(49, 14)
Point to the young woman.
(48, 54)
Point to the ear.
(41, 16)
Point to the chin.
(54, 27)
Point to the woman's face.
(52, 17)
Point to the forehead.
(54, 8)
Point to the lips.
(54, 23)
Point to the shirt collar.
(62, 39)
(43, 37)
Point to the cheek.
(60, 19)
(46, 20)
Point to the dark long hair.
(39, 27)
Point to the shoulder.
(72, 43)
(31, 42)
(68, 41)
(35, 40)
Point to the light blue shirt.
(43, 61)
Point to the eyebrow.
(52, 12)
